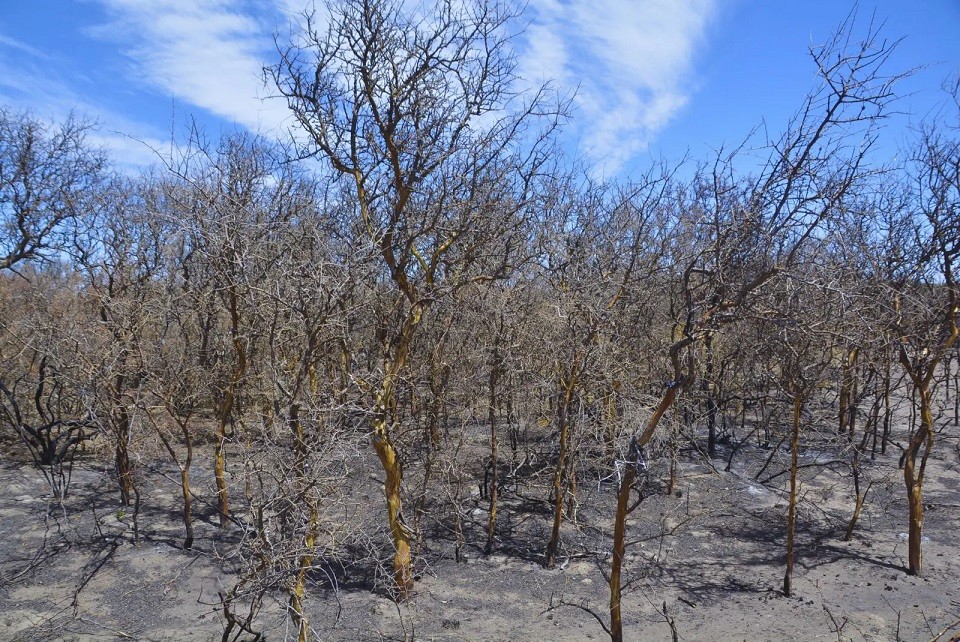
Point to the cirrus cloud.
(629, 61)
(208, 53)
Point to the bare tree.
(927, 305)
(416, 109)
(120, 252)
(47, 177)
(602, 243)
(800, 350)
(41, 399)
(759, 227)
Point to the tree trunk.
(298, 591)
(857, 509)
(858, 452)
(709, 390)
(560, 473)
(792, 508)
(913, 470)
(921, 439)
(624, 508)
(383, 411)
(492, 418)
(121, 452)
(956, 392)
(887, 411)
(187, 512)
(619, 549)
(226, 409)
(847, 392)
(187, 507)
(219, 470)
(402, 559)
(299, 439)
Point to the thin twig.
(944, 630)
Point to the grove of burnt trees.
(419, 288)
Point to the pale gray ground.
(714, 556)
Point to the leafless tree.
(42, 400)
(757, 228)
(926, 305)
(416, 109)
(47, 177)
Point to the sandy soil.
(709, 559)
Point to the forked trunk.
(392, 466)
(629, 476)
(858, 452)
(184, 425)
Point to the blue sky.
(652, 77)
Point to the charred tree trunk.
(495, 368)
(887, 410)
(858, 451)
(568, 385)
(847, 393)
(709, 391)
(121, 427)
(913, 470)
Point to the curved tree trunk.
(402, 559)
(624, 509)
(384, 406)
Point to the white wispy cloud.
(33, 85)
(13, 43)
(629, 61)
(207, 53)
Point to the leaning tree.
(748, 231)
